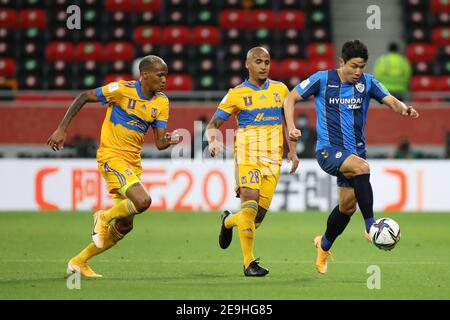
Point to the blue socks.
(364, 197)
(336, 224)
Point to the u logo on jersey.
(277, 97)
(154, 112)
(248, 101)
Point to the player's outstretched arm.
(56, 140)
(399, 107)
(212, 131)
(289, 104)
(292, 152)
(164, 139)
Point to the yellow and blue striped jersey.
(259, 114)
(129, 116)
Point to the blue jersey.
(341, 108)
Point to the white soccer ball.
(385, 233)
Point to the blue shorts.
(330, 160)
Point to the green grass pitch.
(176, 256)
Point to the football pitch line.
(221, 261)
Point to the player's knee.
(124, 227)
(362, 168)
(143, 204)
(348, 210)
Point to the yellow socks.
(112, 237)
(246, 228)
(121, 209)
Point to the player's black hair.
(149, 61)
(393, 47)
(354, 49)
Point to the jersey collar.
(140, 93)
(256, 88)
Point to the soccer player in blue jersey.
(342, 99)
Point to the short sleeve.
(378, 91)
(310, 86)
(227, 106)
(109, 93)
(163, 117)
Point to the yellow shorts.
(262, 176)
(119, 175)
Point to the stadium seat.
(291, 35)
(234, 50)
(147, 34)
(30, 48)
(30, 65)
(206, 82)
(231, 4)
(57, 16)
(292, 49)
(117, 76)
(147, 49)
(422, 5)
(60, 51)
(119, 51)
(444, 84)
(31, 81)
(119, 5)
(86, 3)
(233, 18)
(318, 17)
(320, 34)
(33, 18)
(417, 18)
(290, 4)
(91, 16)
(148, 18)
(177, 16)
(420, 52)
(205, 16)
(262, 19)
(440, 6)
(90, 81)
(176, 34)
(7, 67)
(177, 50)
(206, 65)
(9, 4)
(178, 64)
(8, 18)
(319, 63)
(441, 36)
(204, 51)
(179, 82)
(7, 49)
(147, 6)
(205, 34)
(424, 83)
(291, 19)
(320, 50)
(419, 34)
(88, 67)
(441, 19)
(293, 67)
(423, 68)
(60, 66)
(117, 67)
(231, 80)
(233, 35)
(60, 81)
(8, 34)
(274, 69)
(89, 51)
(61, 34)
(122, 33)
(90, 33)
(117, 18)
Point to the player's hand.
(56, 140)
(172, 137)
(292, 157)
(410, 112)
(294, 134)
(215, 148)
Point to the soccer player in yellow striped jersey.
(258, 106)
(132, 108)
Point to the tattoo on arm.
(77, 104)
(215, 122)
